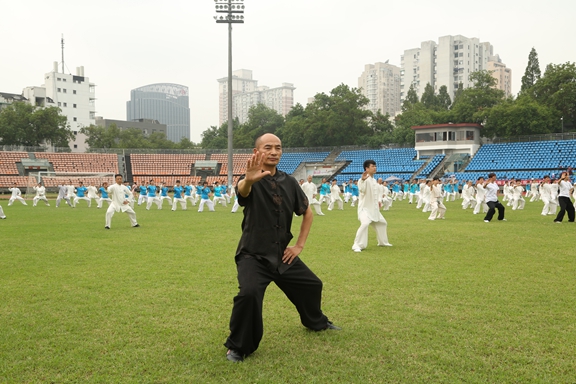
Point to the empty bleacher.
(527, 160)
(168, 180)
(429, 168)
(9, 171)
(398, 162)
(81, 162)
(239, 161)
(290, 161)
(164, 167)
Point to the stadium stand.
(81, 162)
(163, 164)
(429, 168)
(9, 172)
(526, 160)
(398, 162)
(291, 160)
(238, 160)
(169, 180)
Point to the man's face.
(118, 179)
(309, 178)
(271, 146)
(371, 170)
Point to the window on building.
(424, 137)
(451, 136)
(59, 104)
(74, 91)
(469, 135)
(58, 89)
(75, 146)
(64, 90)
(461, 46)
(58, 79)
(65, 104)
(63, 79)
(460, 54)
(75, 119)
(74, 105)
(75, 132)
(460, 135)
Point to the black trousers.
(299, 283)
(492, 205)
(565, 206)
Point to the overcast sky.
(314, 44)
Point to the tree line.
(546, 103)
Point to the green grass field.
(457, 300)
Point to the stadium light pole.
(229, 12)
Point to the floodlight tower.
(229, 12)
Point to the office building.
(164, 102)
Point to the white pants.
(76, 199)
(191, 198)
(437, 210)
(361, 240)
(235, 206)
(130, 212)
(468, 202)
(324, 198)
(317, 207)
(19, 198)
(43, 198)
(480, 203)
(518, 203)
(426, 203)
(220, 200)
(181, 201)
(337, 200)
(207, 202)
(58, 199)
(2, 215)
(162, 198)
(154, 199)
(386, 203)
(142, 198)
(354, 200)
(535, 196)
(100, 200)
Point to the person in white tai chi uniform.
(16, 195)
(437, 208)
(369, 210)
(480, 197)
(335, 196)
(118, 194)
(63, 194)
(93, 193)
(2, 215)
(517, 199)
(311, 191)
(40, 195)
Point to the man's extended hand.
(290, 254)
(254, 168)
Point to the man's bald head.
(264, 138)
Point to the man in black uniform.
(270, 199)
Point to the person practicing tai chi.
(104, 195)
(492, 199)
(311, 191)
(205, 198)
(16, 195)
(63, 195)
(81, 195)
(2, 215)
(437, 208)
(270, 199)
(335, 196)
(120, 202)
(369, 210)
(564, 201)
(178, 192)
(152, 198)
(40, 195)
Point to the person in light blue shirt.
(81, 195)
(190, 192)
(218, 197)
(324, 192)
(152, 198)
(225, 192)
(347, 190)
(178, 196)
(205, 198)
(164, 193)
(413, 191)
(405, 189)
(355, 193)
(143, 193)
(104, 195)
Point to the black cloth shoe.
(234, 356)
(331, 326)
(137, 225)
(106, 227)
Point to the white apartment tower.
(448, 62)
(74, 95)
(502, 75)
(246, 93)
(380, 83)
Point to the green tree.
(411, 98)
(217, 137)
(429, 99)
(523, 116)
(101, 137)
(27, 125)
(443, 98)
(261, 120)
(532, 73)
(292, 133)
(382, 131)
(557, 89)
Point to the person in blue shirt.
(347, 190)
(413, 191)
(355, 193)
(190, 192)
(205, 198)
(143, 193)
(218, 197)
(152, 198)
(178, 196)
(324, 192)
(405, 189)
(103, 195)
(225, 192)
(81, 195)
(164, 194)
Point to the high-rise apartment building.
(448, 62)
(246, 93)
(380, 83)
(168, 103)
(73, 94)
(502, 75)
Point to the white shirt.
(309, 190)
(92, 192)
(335, 193)
(368, 199)
(492, 192)
(517, 191)
(480, 192)
(565, 187)
(15, 191)
(40, 191)
(117, 193)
